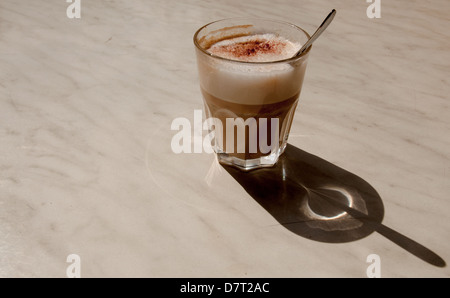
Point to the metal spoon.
(319, 31)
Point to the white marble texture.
(85, 161)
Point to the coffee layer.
(221, 110)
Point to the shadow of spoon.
(404, 242)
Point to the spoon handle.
(319, 31)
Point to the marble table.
(88, 176)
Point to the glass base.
(250, 164)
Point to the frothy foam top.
(252, 83)
(255, 48)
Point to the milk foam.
(252, 83)
(255, 48)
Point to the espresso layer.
(222, 109)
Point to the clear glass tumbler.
(249, 105)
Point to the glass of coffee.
(251, 80)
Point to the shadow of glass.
(317, 200)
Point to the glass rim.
(294, 58)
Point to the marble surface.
(86, 165)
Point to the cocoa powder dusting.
(252, 48)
